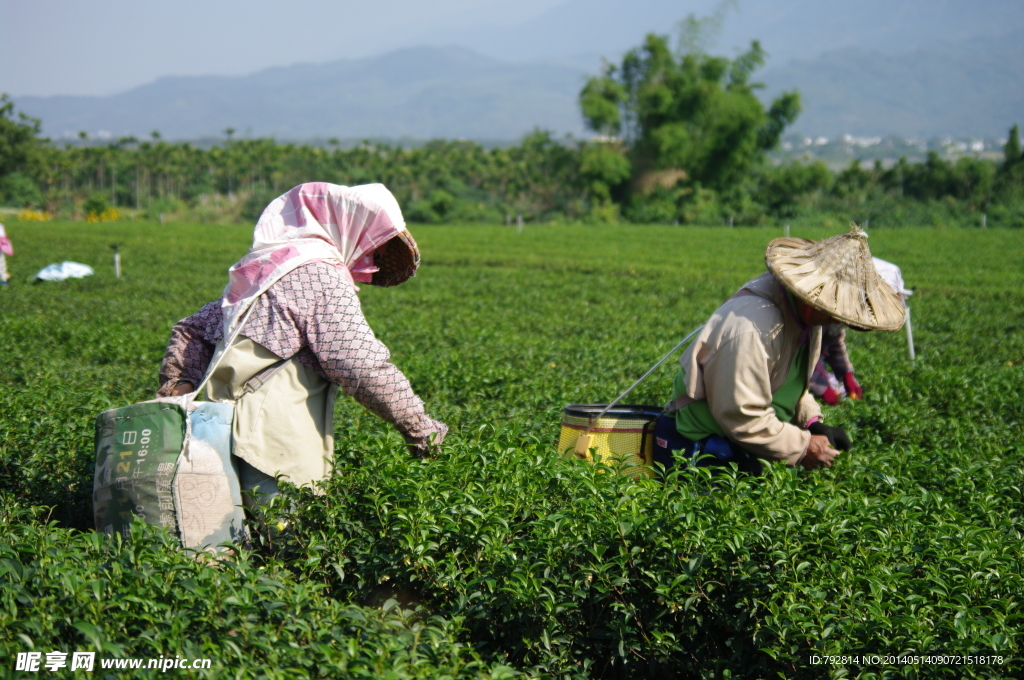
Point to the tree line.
(680, 137)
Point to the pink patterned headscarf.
(313, 222)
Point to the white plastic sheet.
(892, 275)
(64, 270)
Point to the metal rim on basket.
(619, 411)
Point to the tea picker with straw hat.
(741, 395)
(303, 333)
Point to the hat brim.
(396, 261)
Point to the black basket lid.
(638, 411)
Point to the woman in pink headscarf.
(5, 249)
(289, 331)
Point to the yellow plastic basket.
(622, 436)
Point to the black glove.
(837, 436)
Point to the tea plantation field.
(500, 559)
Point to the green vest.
(695, 421)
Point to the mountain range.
(970, 88)
(422, 92)
(787, 29)
(899, 67)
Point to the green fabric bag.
(174, 471)
(137, 450)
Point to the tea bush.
(68, 591)
(500, 557)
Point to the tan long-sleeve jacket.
(741, 358)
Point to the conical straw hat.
(838, 277)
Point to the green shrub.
(256, 202)
(163, 208)
(19, 190)
(68, 591)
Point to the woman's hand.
(182, 388)
(836, 436)
(429, 447)
(819, 453)
(853, 388)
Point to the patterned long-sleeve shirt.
(311, 313)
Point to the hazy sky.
(103, 46)
(99, 47)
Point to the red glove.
(831, 397)
(853, 389)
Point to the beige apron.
(286, 425)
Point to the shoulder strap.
(640, 380)
(219, 354)
(261, 378)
